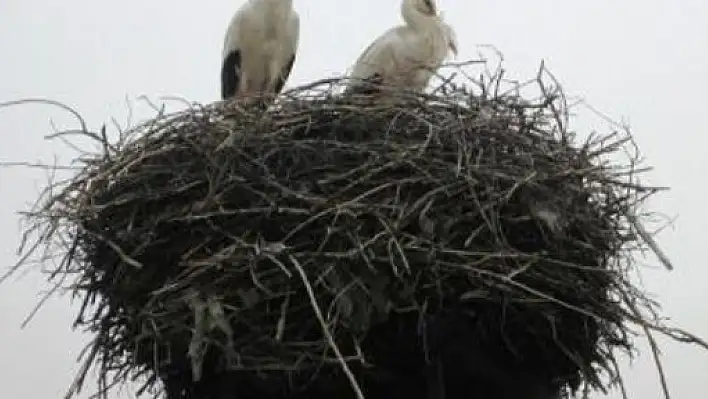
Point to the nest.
(444, 243)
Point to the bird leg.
(263, 100)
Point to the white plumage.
(406, 55)
(259, 48)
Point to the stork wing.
(230, 75)
(294, 35)
(280, 82)
(231, 57)
(366, 86)
(376, 61)
(451, 37)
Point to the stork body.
(406, 55)
(259, 48)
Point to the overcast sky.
(644, 61)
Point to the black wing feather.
(366, 86)
(230, 75)
(284, 74)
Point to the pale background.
(642, 60)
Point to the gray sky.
(644, 61)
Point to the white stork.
(406, 55)
(259, 48)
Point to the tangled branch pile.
(446, 242)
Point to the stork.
(407, 55)
(259, 48)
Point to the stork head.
(423, 7)
(427, 7)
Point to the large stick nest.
(335, 247)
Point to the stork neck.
(415, 19)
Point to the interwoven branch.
(286, 244)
